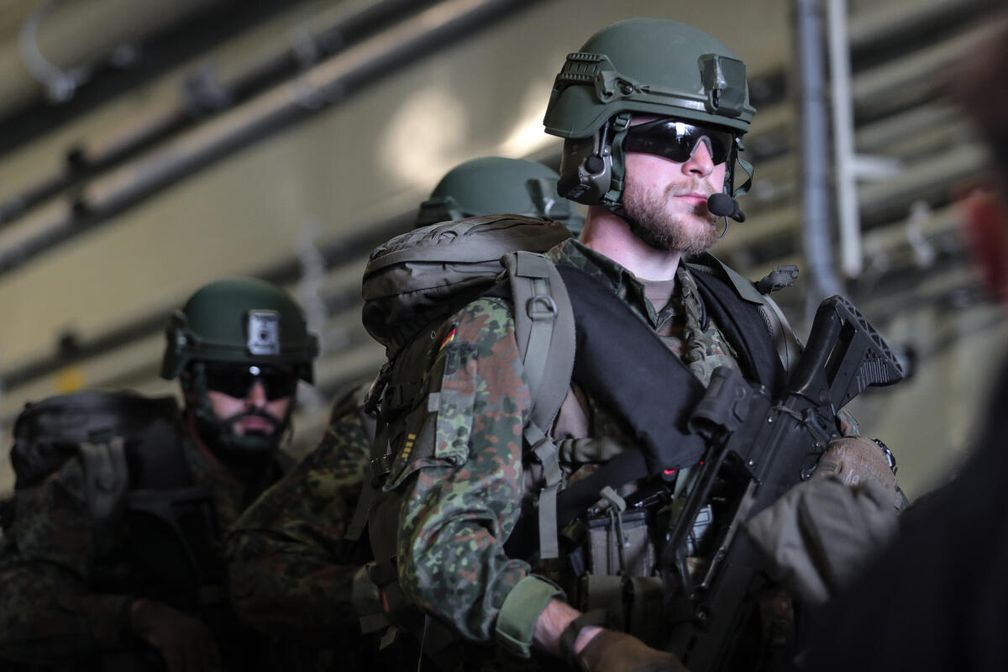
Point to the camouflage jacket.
(51, 561)
(290, 570)
(463, 495)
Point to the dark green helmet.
(496, 185)
(643, 66)
(241, 320)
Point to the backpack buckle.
(541, 307)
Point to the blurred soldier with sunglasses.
(112, 561)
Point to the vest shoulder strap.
(737, 307)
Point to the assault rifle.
(758, 448)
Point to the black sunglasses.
(677, 140)
(235, 380)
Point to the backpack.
(411, 285)
(98, 427)
(420, 278)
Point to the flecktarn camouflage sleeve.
(464, 501)
(291, 571)
(47, 611)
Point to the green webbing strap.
(617, 505)
(546, 452)
(542, 311)
(521, 609)
(530, 292)
(374, 477)
(544, 328)
(363, 510)
(106, 477)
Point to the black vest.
(621, 362)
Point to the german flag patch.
(446, 341)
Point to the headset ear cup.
(590, 182)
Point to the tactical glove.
(612, 651)
(857, 461)
(185, 643)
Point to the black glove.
(186, 644)
(612, 651)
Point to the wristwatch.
(888, 454)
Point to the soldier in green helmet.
(494, 185)
(292, 571)
(112, 561)
(652, 113)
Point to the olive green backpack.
(415, 281)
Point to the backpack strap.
(106, 477)
(544, 328)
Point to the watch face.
(263, 335)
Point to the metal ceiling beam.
(201, 96)
(329, 82)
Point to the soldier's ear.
(985, 227)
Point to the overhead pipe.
(849, 165)
(75, 35)
(201, 96)
(895, 20)
(325, 84)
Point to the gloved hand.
(855, 461)
(612, 651)
(185, 643)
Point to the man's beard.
(663, 230)
(221, 437)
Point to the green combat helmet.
(644, 66)
(239, 321)
(495, 185)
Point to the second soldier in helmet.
(292, 571)
(112, 561)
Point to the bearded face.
(668, 199)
